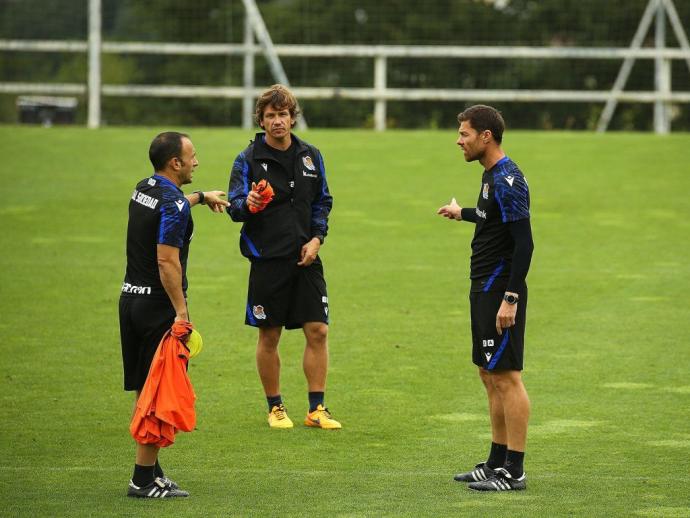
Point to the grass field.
(607, 359)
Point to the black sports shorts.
(489, 349)
(143, 322)
(281, 293)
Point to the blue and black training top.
(503, 199)
(159, 213)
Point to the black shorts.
(489, 349)
(281, 293)
(143, 322)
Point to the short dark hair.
(280, 97)
(482, 118)
(165, 146)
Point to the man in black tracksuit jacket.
(299, 211)
(282, 239)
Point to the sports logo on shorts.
(487, 343)
(259, 312)
(306, 160)
(488, 356)
(485, 191)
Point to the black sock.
(315, 399)
(143, 475)
(157, 470)
(274, 401)
(497, 456)
(514, 460)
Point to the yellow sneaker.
(321, 418)
(278, 418)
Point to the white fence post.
(380, 72)
(662, 75)
(248, 75)
(94, 89)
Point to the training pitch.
(607, 356)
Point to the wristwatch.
(201, 196)
(510, 298)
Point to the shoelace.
(280, 412)
(326, 413)
(503, 474)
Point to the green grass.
(607, 358)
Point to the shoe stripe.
(164, 493)
(474, 476)
(152, 491)
(495, 486)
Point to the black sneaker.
(159, 488)
(500, 481)
(480, 472)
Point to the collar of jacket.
(261, 151)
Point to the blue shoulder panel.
(511, 192)
(175, 212)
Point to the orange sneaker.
(321, 418)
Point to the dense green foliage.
(585, 23)
(606, 362)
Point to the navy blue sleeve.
(322, 204)
(173, 224)
(239, 189)
(512, 195)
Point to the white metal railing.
(380, 93)
(344, 51)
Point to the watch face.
(510, 299)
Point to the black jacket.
(296, 214)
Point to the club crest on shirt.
(306, 160)
(485, 191)
(259, 312)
